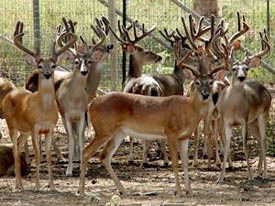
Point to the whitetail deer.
(210, 129)
(7, 162)
(5, 87)
(34, 113)
(245, 103)
(116, 115)
(71, 95)
(138, 58)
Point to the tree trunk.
(206, 7)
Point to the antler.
(124, 32)
(240, 31)
(265, 48)
(18, 41)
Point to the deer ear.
(255, 62)
(220, 74)
(31, 60)
(64, 56)
(188, 74)
(128, 48)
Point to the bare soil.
(150, 185)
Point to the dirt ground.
(152, 185)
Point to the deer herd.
(151, 106)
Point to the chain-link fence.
(162, 13)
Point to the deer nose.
(241, 79)
(84, 72)
(47, 75)
(205, 96)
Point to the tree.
(206, 7)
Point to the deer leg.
(131, 155)
(228, 136)
(48, 140)
(37, 157)
(215, 140)
(184, 157)
(145, 144)
(17, 162)
(106, 157)
(172, 145)
(69, 129)
(87, 153)
(196, 146)
(80, 130)
(59, 156)
(245, 148)
(261, 134)
(163, 150)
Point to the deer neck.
(200, 106)
(46, 93)
(135, 67)
(94, 77)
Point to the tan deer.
(71, 95)
(246, 103)
(210, 123)
(34, 113)
(174, 118)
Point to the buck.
(174, 118)
(34, 113)
(246, 103)
(71, 95)
(138, 58)
(210, 129)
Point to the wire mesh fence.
(162, 13)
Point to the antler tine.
(18, 40)
(120, 31)
(72, 39)
(106, 22)
(180, 59)
(194, 46)
(168, 36)
(240, 31)
(102, 36)
(144, 32)
(265, 47)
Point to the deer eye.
(76, 62)
(53, 66)
(198, 83)
(89, 61)
(210, 83)
(233, 69)
(246, 69)
(40, 66)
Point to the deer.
(210, 129)
(138, 58)
(7, 162)
(245, 103)
(72, 96)
(35, 113)
(173, 118)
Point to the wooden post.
(36, 25)
(114, 71)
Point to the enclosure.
(153, 185)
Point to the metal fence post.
(36, 25)
(124, 10)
